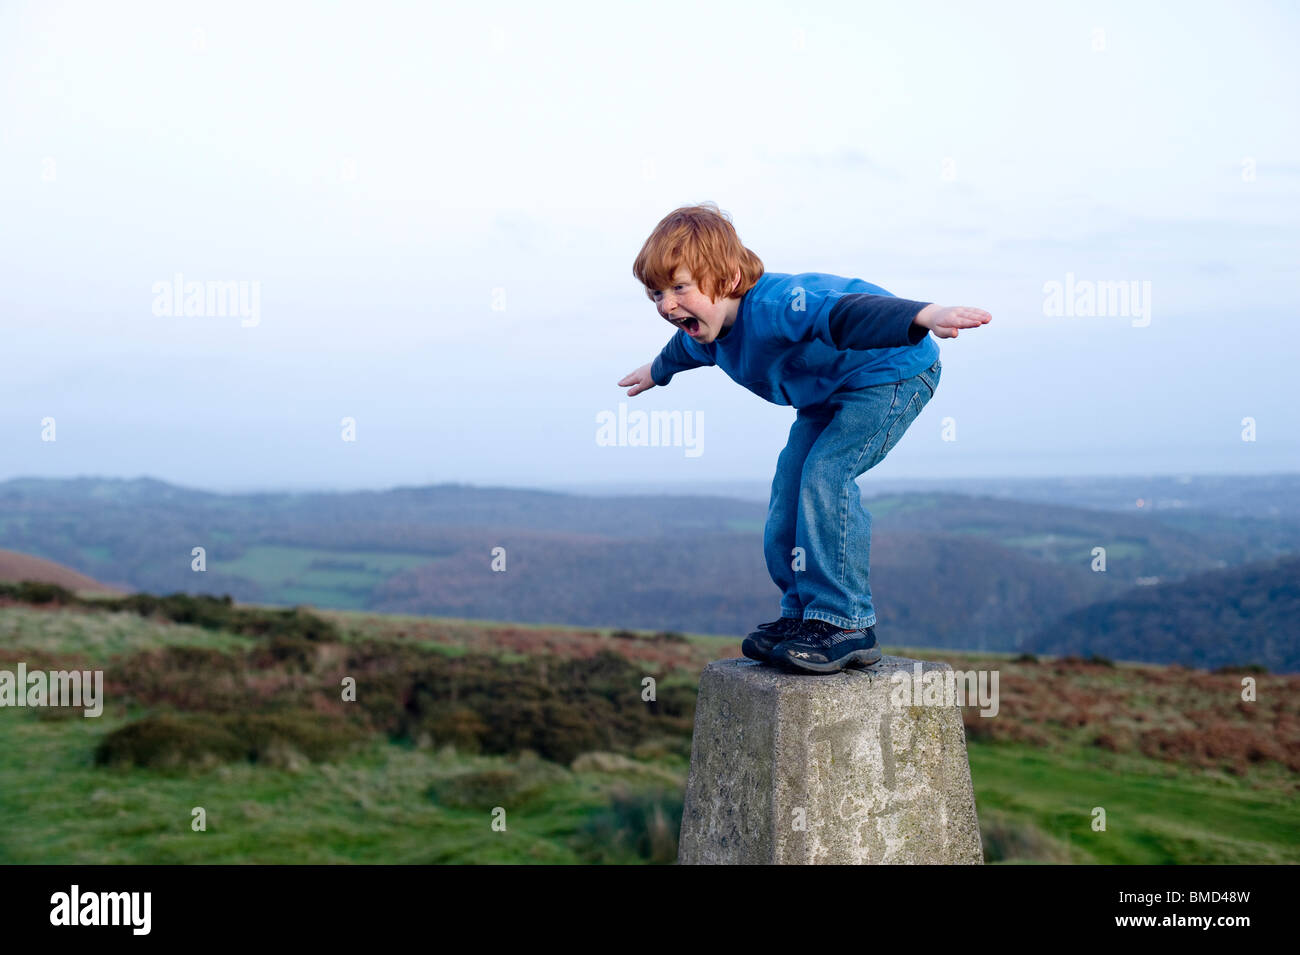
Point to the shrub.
(198, 660)
(1092, 660)
(643, 824)
(169, 740)
(461, 727)
(977, 727)
(670, 636)
(182, 678)
(37, 592)
(299, 652)
(1244, 669)
(318, 736)
(1013, 840)
(511, 787)
(557, 708)
(1115, 740)
(219, 613)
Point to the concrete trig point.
(802, 768)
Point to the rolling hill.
(1241, 615)
(948, 570)
(16, 566)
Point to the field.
(1185, 771)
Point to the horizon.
(580, 487)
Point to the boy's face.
(688, 308)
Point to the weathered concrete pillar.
(801, 768)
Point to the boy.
(858, 365)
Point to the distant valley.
(949, 570)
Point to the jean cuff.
(844, 623)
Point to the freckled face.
(688, 308)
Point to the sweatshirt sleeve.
(861, 320)
(858, 320)
(675, 357)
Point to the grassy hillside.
(239, 711)
(16, 566)
(1238, 615)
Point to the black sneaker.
(759, 644)
(821, 647)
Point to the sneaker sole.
(856, 659)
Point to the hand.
(945, 320)
(640, 379)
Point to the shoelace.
(819, 630)
(829, 634)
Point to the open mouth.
(692, 325)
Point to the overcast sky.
(437, 208)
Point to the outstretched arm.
(862, 320)
(640, 380)
(946, 321)
(673, 358)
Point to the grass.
(376, 807)
(397, 802)
(100, 635)
(310, 575)
(1155, 815)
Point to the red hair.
(702, 238)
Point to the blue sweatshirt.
(798, 339)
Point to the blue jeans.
(817, 505)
